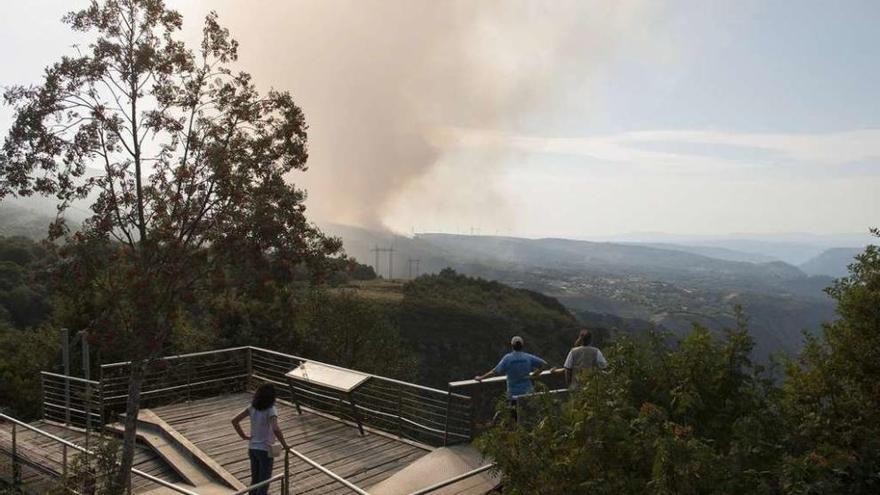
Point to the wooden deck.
(47, 453)
(363, 460)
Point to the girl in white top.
(264, 430)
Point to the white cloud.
(628, 148)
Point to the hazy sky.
(557, 118)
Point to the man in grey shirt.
(582, 356)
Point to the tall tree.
(183, 162)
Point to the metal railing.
(66, 446)
(179, 377)
(14, 451)
(424, 414)
(486, 394)
(71, 400)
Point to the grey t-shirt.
(261, 428)
(583, 357)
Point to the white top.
(583, 357)
(328, 376)
(261, 428)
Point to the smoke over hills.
(379, 81)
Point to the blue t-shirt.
(517, 365)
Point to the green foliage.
(693, 418)
(94, 473)
(342, 329)
(460, 325)
(832, 393)
(184, 162)
(23, 297)
(334, 327)
(27, 345)
(23, 354)
(700, 417)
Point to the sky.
(567, 119)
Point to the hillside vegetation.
(700, 416)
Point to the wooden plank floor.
(362, 460)
(48, 454)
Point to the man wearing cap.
(516, 365)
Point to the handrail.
(329, 473)
(180, 356)
(380, 377)
(495, 379)
(76, 447)
(281, 476)
(282, 354)
(71, 378)
(177, 387)
(261, 484)
(453, 480)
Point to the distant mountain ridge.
(831, 262)
(720, 253)
(668, 287)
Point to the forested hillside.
(431, 330)
(700, 416)
(458, 325)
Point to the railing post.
(189, 368)
(87, 374)
(87, 406)
(446, 422)
(471, 412)
(101, 418)
(249, 365)
(16, 468)
(65, 359)
(400, 414)
(64, 461)
(43, 390)
(285, 488)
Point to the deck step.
(440, 465)
(191, 463)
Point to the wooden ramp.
(362, 460)
(192, 465)
(442, 464)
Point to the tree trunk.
(132, 407)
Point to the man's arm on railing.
(485, 375)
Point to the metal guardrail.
(66, 444)
(424, 414)
(421, 413)
(453, 480)
(71, 400)
(486, 394)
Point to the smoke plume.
(380, 80)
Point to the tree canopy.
(183, 161)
